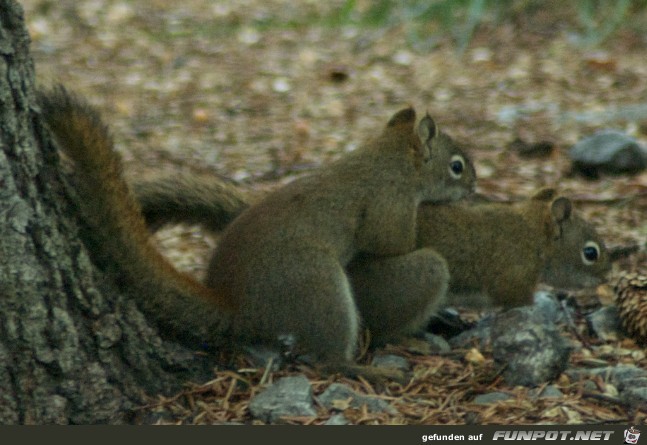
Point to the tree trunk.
(73, 349)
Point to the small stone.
(339, 396)
(608, 151)
(551, 391)
(287, 397)
(337, 419)
(391, 361)
(487, 399)
(437, 344)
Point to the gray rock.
(550, 391)
(391, 361)
(337, 419)
(630, 380)
(605, 323)
(544, 309)
(492, 397)
(532, 352)
(619, 373)
(612, 374)
(287, 397)
(338, 393)
(608, 151)
(437, 343)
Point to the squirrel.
(496, 252)
(278, 274)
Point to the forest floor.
(259, 96)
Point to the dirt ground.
(261, 92)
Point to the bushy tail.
(114, 229)
(192, 199)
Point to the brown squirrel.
(496, 252)
(278, 273)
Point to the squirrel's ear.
(561, 209)
(544, 194)
(427, 129)
(405, 116)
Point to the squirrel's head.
(577, 255)
(445, 173)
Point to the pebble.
(391, 361)
(608, 151)
(487, 399)
(340, 396)
(287, 397)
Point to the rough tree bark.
(73, 347)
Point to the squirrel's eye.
(590, 253)
(456, 166)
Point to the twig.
(606, 398)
